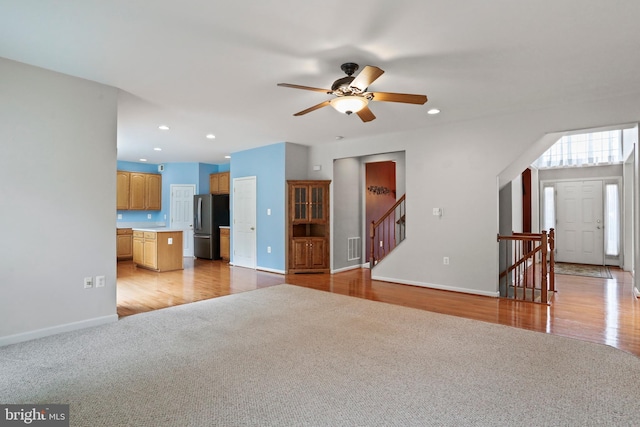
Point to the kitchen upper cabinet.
(153, 192)
(122, 202)
(219, 183)
(143, 192)
(308, 226)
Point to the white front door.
(244, 222)
(579, 222)
(182, 214)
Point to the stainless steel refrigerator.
(210, 211)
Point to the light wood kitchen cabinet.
(158, 250)
(219, 183)
(139, 191)
(122, 199)
(225, 244)
(124, 243)
(153, 192)
(308, 227)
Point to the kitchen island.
(158, 249)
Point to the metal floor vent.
(354, 248)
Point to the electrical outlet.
(445, 260)
(170, 241)
(381, 243)
(88, 282)
(268, 249)
(100, 281)
(148, 216)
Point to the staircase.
(387, 232)
(528, 270)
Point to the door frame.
(608, 260)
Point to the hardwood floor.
(597, 310)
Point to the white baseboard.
(351, 267)
(436, 286)
(53, 330)
(270, 270)
(636, 292)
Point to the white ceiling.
(212, 66)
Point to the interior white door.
(579, 222)
(182, 214)
(244, 222)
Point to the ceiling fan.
(351, 94)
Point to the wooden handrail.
(389, 212)
(386, 243)
(527, 275)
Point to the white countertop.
(225, 226)
(157, 229)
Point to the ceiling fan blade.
(367, 76)
(399, 97)
(310, 109)
(366, 115)
(315, 89)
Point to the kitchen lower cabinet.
(124, 243)
(158, 250)
(225, 243)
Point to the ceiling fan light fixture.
(349, 104)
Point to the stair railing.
(529, 268)
(387, 232)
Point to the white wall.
(456, 166)
(57, 168)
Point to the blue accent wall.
(203, 178)
(267, 164)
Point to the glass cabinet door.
(316, 203)
(300, 202)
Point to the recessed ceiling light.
(211, 136)
(143, 160)
(433, 111)
(227, 157)
(339, 137)
(163, 127)
(157, 149)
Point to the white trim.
(636, 292)
(270, 270)
(495, 294)
(351, 267)
(53, 330)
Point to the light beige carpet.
(290, 356)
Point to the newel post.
(372, 234)
(543, 285)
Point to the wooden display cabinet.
(308, 227)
